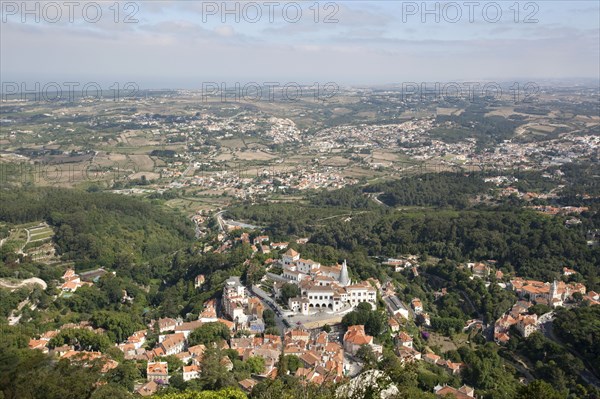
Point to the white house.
(191, 372)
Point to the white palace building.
(323, 288)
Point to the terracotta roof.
(37, 343)
(69, 273)
(226, 361)
(291, 252)
(108, 365)
(452, 392)
(502, 337)
(173, 340)
(83, 355)
(248, 384)
(197, 350)
(70, 285)
(161, 368)
(229, 324)
(404, 337)
(321, 338)
(432, 356)
(148, 388)
(357, 336)
(297, 333)
(49, 334)
(189, 326)
(157, 352)
(310, 358)
(166, 322)
(332, 347)
(191, 369)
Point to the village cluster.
(324, 290)
(324, 356)
(413, 139)
(532, 292)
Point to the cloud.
(370, 44)
(225, 31)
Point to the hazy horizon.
(181, 44)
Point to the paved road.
(375, 197)
(520, 366)
(222, 223)
(268, 302)
(23, 283)
(187, 170)
(276, 277)
(14, 320)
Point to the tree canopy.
(208, 333)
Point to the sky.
(185, 44)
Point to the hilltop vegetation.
(431, 189)
(580, 329)
(447, 224)
(99, 229)
(531, 244)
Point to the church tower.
(554, 291)
(344, 277)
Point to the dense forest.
(439, 189)
(583, 181)
(431, 189)
(533, 245)
(99, 229)
(579, 329)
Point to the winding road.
(30, 281)
(586, 374)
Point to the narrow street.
(269, 303)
